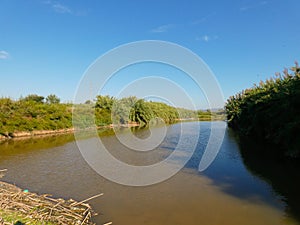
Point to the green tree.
(52, 99)
(104, 102)
(103, 107)
(141, 112)
(34, 98)
(270, 112)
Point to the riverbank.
(270, 113)
(19, 135)
(41, 133)
(19, 206)
(22, 134)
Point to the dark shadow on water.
(228, 172)
(282, 174)
(241, 169)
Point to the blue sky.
(46, 46)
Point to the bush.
(270, 111)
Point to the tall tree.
(52, 99)
(34, 98)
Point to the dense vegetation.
(109, 110)
(35, 112)
(270, 112)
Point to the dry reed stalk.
(45, 208)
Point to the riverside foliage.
(270, 112)
(35, 112)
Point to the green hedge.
(270, 112)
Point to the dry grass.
(41, 209)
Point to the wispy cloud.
(264, 2)
(163, 28)
(199, 21)
(203, 19)
(4, 55)
(59, 8)
(207, 38)
(253, 6)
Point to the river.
(235, 189)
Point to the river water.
(235, 189)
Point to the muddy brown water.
(229, 192)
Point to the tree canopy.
(35, 112)
(52, 99)
(31, 113)
(270, 111)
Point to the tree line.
(35, 112)
(270, 112)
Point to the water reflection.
(229, 172)
(25, 145)
(282, 175)
(226, 193)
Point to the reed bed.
(43, 208)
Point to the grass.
(18, 218)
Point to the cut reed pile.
(43, 208)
